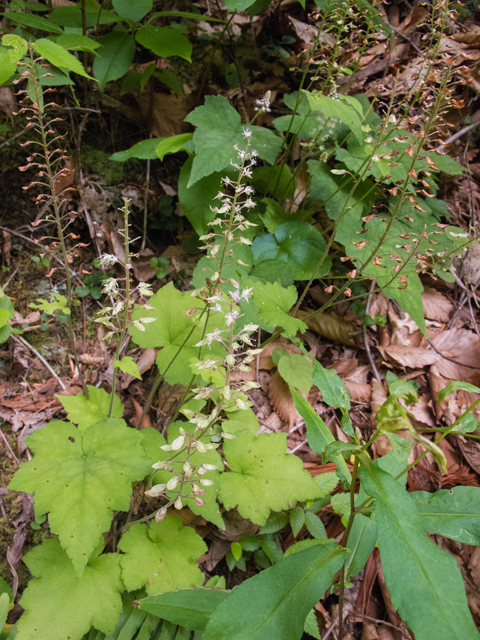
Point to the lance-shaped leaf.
(81, 478)
(161, 557)
(274, 604)
(453, 513)
(263, 476)
(189, 608)
(318, 434)
(425, 583)
(59, 604)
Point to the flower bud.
(161, 513)
(166, 447)
(156, 490)
(210, 467)
(178, 503)
(199, 502)
(187, 469)
(206, 483)
(160, 465)
(200, 446)
(172, 483)
(201, 471)
(178, 443)
(228, 436)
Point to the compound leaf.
(74, 603)
(85, 411)
(161, 557)
(425, 583)
(81, 478)
(263, 477)
(278, 599)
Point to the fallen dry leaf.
(412, 357)
(266, 361)
(331, 326)
(471, 452)
(436, 306)
(466, 347)
(422, 412)
(281, 400)
(359, 392)
(141, 265)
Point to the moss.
(97, 161)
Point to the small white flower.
(144, 289)
(110, 286)
(178, 443)
(247, 133)
(107, 260)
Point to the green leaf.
(278, 599)
(4, 605)
(331, 386)
(263, 477)
(59, 57)
(4, 317)
(171, 331)
(424, 582)
(318, 434)
(326, 482)
(457, 385)
(311, 625)
(244, 420)
(59, 304)
(219, 129)
(128, 365)
(361, 543)
(165, 42)
(77, 42)
(7, 66)
(72, 16)
(275, 522)
(32, 21)
(85, 411)
(172, 144)
(297, 371)
(297, 520)
(236, 550)
(238, 5)
(197, 199)
(274, 271)
(81, 478)
(133, 9)
(315, 526)
(144, 150)
(273, 303)
(298, 244)
(190, 608)
(18, 44)
(114, 56)
(341, 503)
(338, 110)
(453, 513)
(92, 599)
(161, 557)
(210, 511)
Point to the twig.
(299, 446)
(365, 336)
(7, 142)
(460, 364)
(458, 135)
(10, 278)
(40, 357)
(145, 204)
(388, 624)
(9, 447)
